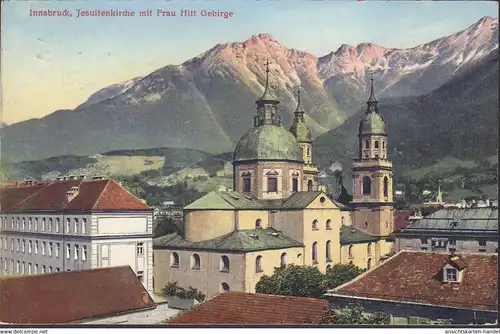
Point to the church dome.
(301, 132)
(268, 142)
(372, 123)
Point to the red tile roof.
(71, 296)
(92, 195)
(416, 277)
(401, 219)
(251, 308)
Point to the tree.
(340, 274)
(353, 314)
(164, 226)
(292, 280)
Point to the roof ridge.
(220, 195)
(100, 195)
(122, 188)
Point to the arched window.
(295, 184)
(174, 260)
(299, 258)
(328, 267)
(376, 143)
(283, 259)
(328, 224)
(367, 185)
(310, 185)
(258, 264)
(224, 264)
(351, 263)
(369, 264)
(328, 251)
(342, 221)
(366, 224)
(315, 224)
(308, 151)
(315, 252)
(386, 186)
(195, 262)
(383, 144)
(369, 249)
(247, 185)
(350, 251)
(224, 287)
(367, 144)
(258, 223)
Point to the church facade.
(277, 213)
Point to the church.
(277, 213)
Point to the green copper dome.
(372, 123)
(301, 132)
(268, 142)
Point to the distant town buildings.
(73, 224)
(427, 288)
(452, 230)
(278, 213)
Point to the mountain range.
(210, 98)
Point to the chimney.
(145, 297)
(82, 177)
(72, 193)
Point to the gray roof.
(372, 123)
(231, 200)
(458, 220)
(236, 241)
(353, 235)
(268, 142)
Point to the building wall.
(377, 221)
(406, 310)
(360, 255)
(208, 224)
(247, 219)
(207, 279)
(270, 260)
(466, 244)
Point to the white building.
(74, 224)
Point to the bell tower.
(372, 174)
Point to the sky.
(52, 63)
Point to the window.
(23, 225)
(295, 184)
(423, 243)
(50, 270)
(310, 185)
(77, 252)
(315, 224)
(5, 243)
(283, 259)
(369, 249)
(299, 258)
(29, 268)
(84, 253)
(451, 275)
(44, 269)
(36, 247)
(367, 185)
(452, 244)
(367, 144)
(50, 224)
(342, 221)
(58, 225)
(68, 251)
(18, 267)
(328, 267)
(36, 269)
(84, 225)
(50, 249)
(30, 223)
(224, 287)
(18, 245)
(328, 224)
(272, 184)
(383, 144)
(328, 251)
(315, 252)
(376, 143)
(58, 269)
(43, 225)
(369, 264)
(140, 248)
(247, 185)
(76, 225)
(43, 247)
(58, 246)
(258, 223)
(195, 262)
(140, 276)
(482, 243)
(258, 264)
(386, 186)
(5, 265)
(350, 251)
(174, 260)
(224, 264)
(12, 244)
(30, 246)
(68, 225)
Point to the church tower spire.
(372, 103)
(267, 106)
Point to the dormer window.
(451, 275)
